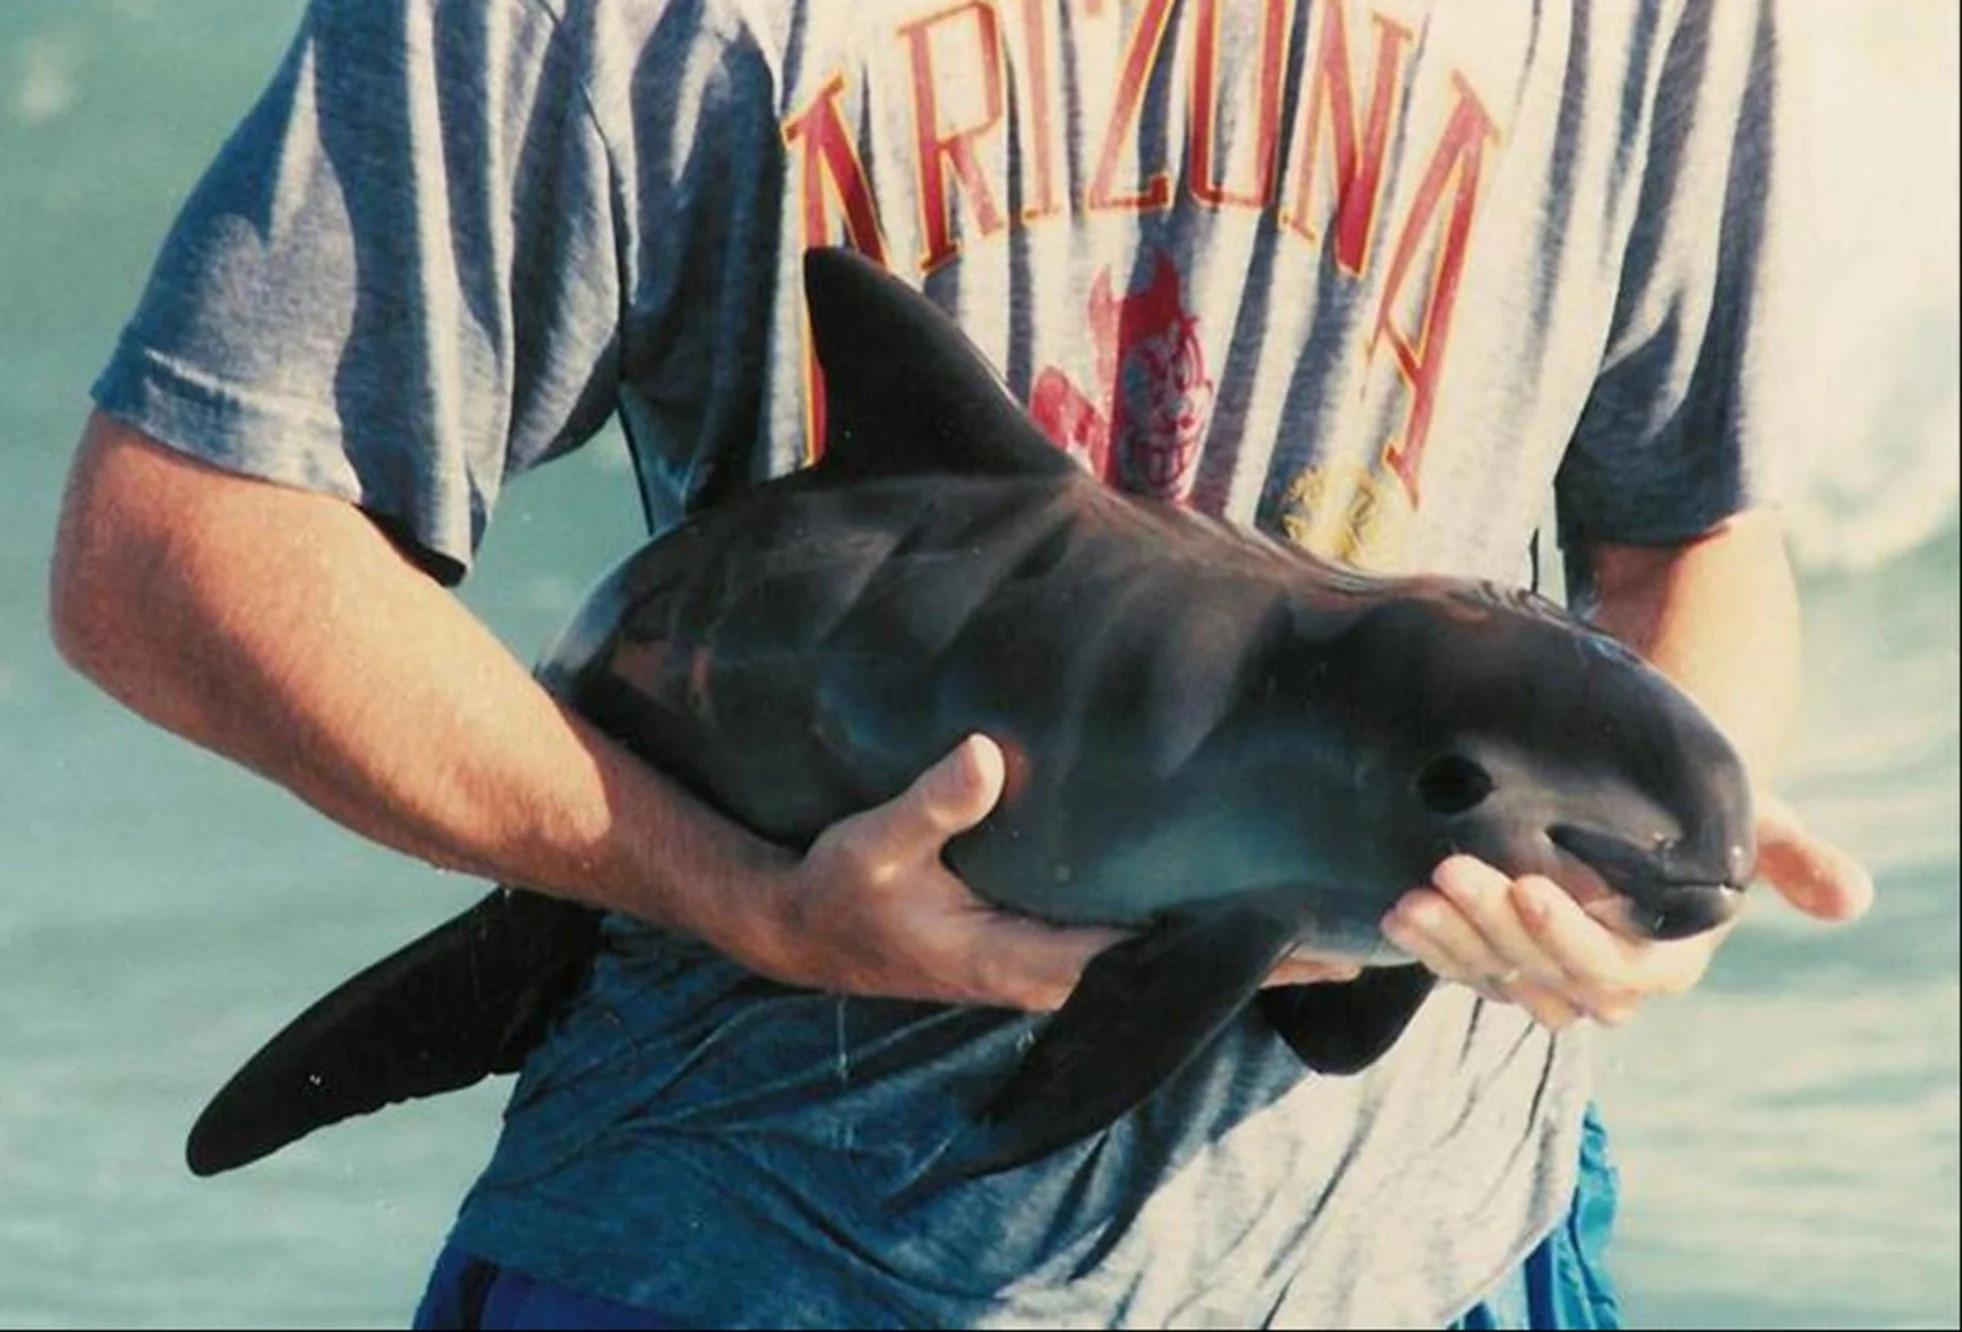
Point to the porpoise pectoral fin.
(1143, 1009)
(1345, 1026)
(467, 1000)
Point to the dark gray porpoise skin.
(1211, 736)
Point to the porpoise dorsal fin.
(905, 392)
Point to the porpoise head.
(1488, 721)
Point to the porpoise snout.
(1677, 913)
(1683, 912)
(1654, 894)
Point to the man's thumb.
(1811, 873)
(950, 797)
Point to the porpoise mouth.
(1655, 897)
(1684, 912)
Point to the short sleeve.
(1677, 434)
(398, 283)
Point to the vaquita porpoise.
(1213, 738)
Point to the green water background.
(1788, 1134)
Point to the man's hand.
(872, 909)
(1526, 942)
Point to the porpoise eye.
(1452, 784)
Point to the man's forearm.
(1720, 616)
(284, 630)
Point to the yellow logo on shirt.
(1344, 511)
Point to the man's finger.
(1299, 968)
(1811, 873)
(1607, 973)
(1485, 899)
(1548, 1007)
(1431, 928)
(1026, 964)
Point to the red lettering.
(942, 151)
(1203, 144)
(1140, 60)
(1040, 94)
(1459, 157)
(1358, 157)
(828, 170)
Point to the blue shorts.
(1562, 1284)
(1565, 1282)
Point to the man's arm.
(1720, 616)
(283, 629)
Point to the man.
(1371, 278)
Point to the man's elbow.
(77, 614)
(105, 553)
(87, 624)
